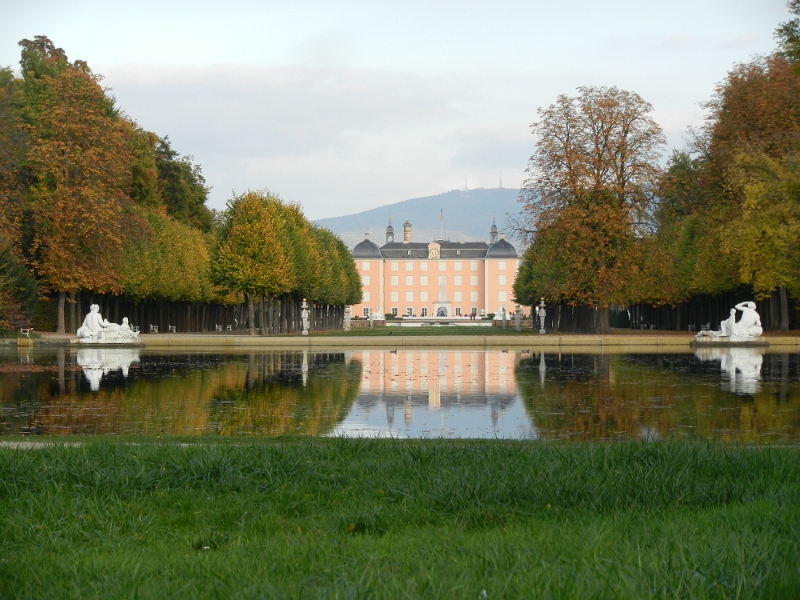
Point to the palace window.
(473, 280)
(423, 296)
(457, 296)
(501, 296)
(365, 296)
(409, 311)
(394, 296)
(442, 265)
(501, 266)
(473, 265)
(423, 266)
(458, 264)
(423, 311)
(365, 266)
(501, 280)
(365, 280)
(394, 280)
(365, 312)
(458, 311)
(394, 311)
(473, 296)
(409, 280)
(410, 264)
(457, 280)
(409, 296)
(474, 310)
(423, 280)
(395, 266)
(442, 296)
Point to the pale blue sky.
(344, 106)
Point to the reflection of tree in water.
(179, 394)
(634, 396)
(287, 392)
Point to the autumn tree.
(250, 257)
(79, 158)
(182, 187)
(589, 197)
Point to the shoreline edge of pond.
(167, 341)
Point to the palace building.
(441, 279)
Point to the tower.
(493, 233)
(390, 232)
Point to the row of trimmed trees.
(95, 209)
(608, 227)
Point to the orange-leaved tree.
(80, 159)
(589, 197)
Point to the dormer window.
(409, 252)
(458, 251)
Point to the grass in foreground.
(399, 519)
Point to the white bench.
(153, 328)
(229, 328)
(172, 328)
(217, 327)
(26, 331)
(135, 328)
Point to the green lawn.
(311, 518)
(438, 330)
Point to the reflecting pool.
(733, 394)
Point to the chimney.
(406, 232)
(502, 236)
(366, 235)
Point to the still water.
(731, 394)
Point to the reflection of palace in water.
(422, 382)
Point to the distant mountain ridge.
(467, 216)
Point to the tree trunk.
(251, 313)
(784, 309)
(61, 298)
(774, 310)
(601, 325)
(72, 328)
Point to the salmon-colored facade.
(438, 279)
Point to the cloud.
(696, 41)
(492, 151)
(249, 111)
(338, 140)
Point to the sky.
(346, 106)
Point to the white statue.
(304, 317)
(94, 324)
(97, 329)
(747, 328)
(125, 331)
(348, 315)
(750, 323)
(727, 326)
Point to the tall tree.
(182, 187)
(80, 160)
(590, 194)
(250, 257)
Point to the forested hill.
(467, 217)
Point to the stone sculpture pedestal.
(723, 340)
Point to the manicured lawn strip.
(426, 331)
(388, 518)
